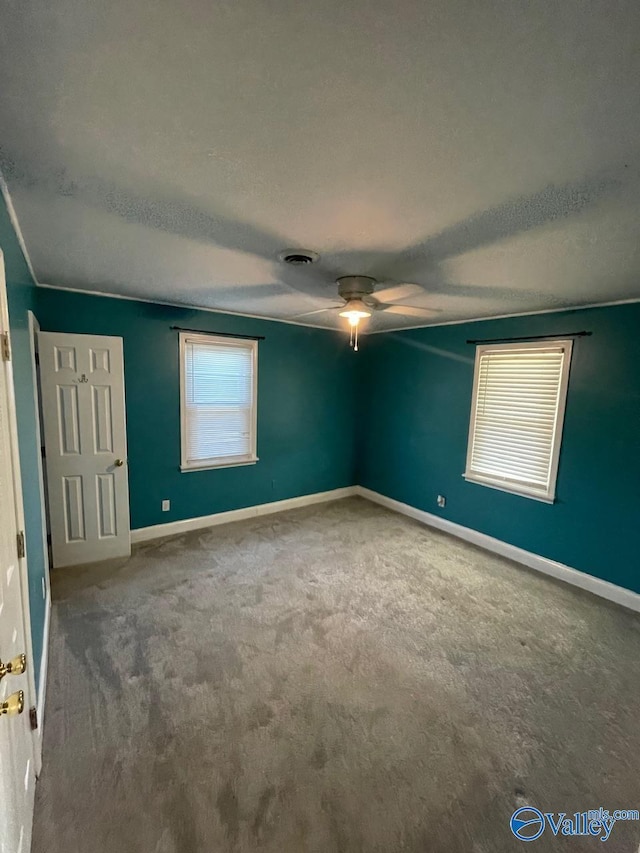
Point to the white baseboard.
(156, 531)
(604, 589)
(44, 663)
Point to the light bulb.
(354, 311)
(353, 317)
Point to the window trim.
(502, 484)
(223, 461)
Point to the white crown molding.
(13, 217)
(604, 589)
(188, 307)
(191, 307)
(4, 191)
(566, 310)
(157, 531)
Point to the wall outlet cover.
(442, 500)
(166, 506)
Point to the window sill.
(211, 466)
(512, 489)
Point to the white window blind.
(218, 401)
(517, 414)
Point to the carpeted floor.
(331, 680)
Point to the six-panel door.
(17, 771)
(83, 412)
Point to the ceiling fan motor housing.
(355, 286)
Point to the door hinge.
(20, 542)
(33, 718)
(5, 345)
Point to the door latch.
(5, 347)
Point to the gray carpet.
(331, 680)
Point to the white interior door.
(17, 769)
(83, 413)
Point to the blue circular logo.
(527, 823)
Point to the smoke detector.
(298, 257)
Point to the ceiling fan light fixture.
(355, 310)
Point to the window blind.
(516, 418)
(219, 401)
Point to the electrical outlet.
(166, 506)
(442, 500)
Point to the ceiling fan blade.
(398, 292)
(317, 311)
(409, 311)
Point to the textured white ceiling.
(487, 150)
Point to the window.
(517, 412)
(218, 401)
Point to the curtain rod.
(531, 338)
(219, 334)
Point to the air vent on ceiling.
(298, 257)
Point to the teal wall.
(21, 293)
(393, 419)
(306, 408)
(416, 399)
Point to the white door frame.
(18, 498)
(34, 328)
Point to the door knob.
(13, 667)
(13, 705)
(119, 463)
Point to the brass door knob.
(16, 666)
(119, 463)
(13, 705)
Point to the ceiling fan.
(359, 302)
(160, 209)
